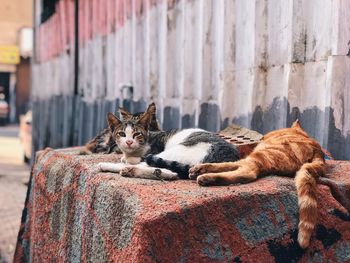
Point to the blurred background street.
(16, 41)
(14, 176)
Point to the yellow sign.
(9, 54)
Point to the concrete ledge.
(76, 214)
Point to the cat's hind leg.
(203, 168)
(241, 175)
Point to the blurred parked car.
(25, 135)
(4, 110)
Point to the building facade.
(206, 63)
(16, 18)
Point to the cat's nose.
(129, 142)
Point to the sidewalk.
(14, 175)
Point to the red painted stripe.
(67, 18)
(45, 41)
(87, 19)
(171, 4)
(103, 17)
(47, 34)
(38, 44)
(71, 22)
(96, 17)
(52, 37)
(111, 16)
(138, 8)
(81, 23)
(56, 35)
(63, 24)
(116, 14)
(121, 13)
(42, 43)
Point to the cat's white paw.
(103, 166)
(111, 167)
(164, 174)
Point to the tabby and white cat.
(105, 143)
(167, 154)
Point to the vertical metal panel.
(126, 49)
(318, 29)
(278, 32)
(152, 73)
(138, 45)
(340, 27)
(161, 25)
(228, 60)
(260, 63)
(192, 57)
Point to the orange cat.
(288, 152)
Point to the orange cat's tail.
(306, 183)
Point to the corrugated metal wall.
(206, 63)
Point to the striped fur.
(289, 152)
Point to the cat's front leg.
(111, 167)
(145, 172)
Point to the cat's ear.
(152, 109)
(113, 121)
(125, 114)
(145, 119)
(296, 124)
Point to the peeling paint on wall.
(206, 63)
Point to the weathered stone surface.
(99, 217)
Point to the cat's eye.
(121, 134)
(136, 134)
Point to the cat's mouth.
(129, 148)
